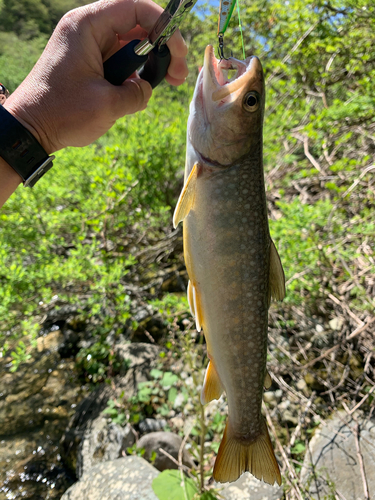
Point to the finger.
(177, 45)
(133, 34)
(121, 16)
(133, 96)
(178, 68)
(174, 81)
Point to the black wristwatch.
(21, 150)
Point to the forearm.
(9, 180)
(65, 100)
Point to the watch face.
(4, 93)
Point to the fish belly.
(227, 247)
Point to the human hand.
(65, 100)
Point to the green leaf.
(168, 486)
(298, 448)
(208, 495)
(168, 380)
(155, 373)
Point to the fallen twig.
(293, 476)
(361, 464)
(356, 332)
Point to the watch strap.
(21, 150)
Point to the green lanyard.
(225, 13)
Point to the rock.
(39, 390)
(141, 358)
(336, 323)
(36, 403)
(177, 421)
(102, 441)
(301, 385)
(169, 442)
(50, 341)
(248, 487)
(151, 425)
(272, 397)
(335, 460)
(128, 478)
(138, 356)
(86, 412)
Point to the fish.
(233, 266)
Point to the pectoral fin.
(212, 387)
(187, 197)
(267, 380)
(277, 277)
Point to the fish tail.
(236, 456)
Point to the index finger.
(123, 16)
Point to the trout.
(233, 266)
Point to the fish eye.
(251, 101)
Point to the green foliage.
(29, 18)
(172, 485)
(157, 395)
(113, 410)
(75, 243)
(96, 361)
(77, 237)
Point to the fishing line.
(240, 25)
(225, 13)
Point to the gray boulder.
(248, 487)
(170, 443)
(102, 441)
(140, 359)
(128, 478)
(332, 463)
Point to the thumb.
(134, 95)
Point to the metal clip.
(221, 47)
(166, 25)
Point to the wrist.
(21, 151)
(9, 181)
(17, 106)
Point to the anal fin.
(236, 456)
(212, 387)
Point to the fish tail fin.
(236, 456)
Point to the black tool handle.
(125, 61)
(123, 64)
(156, 66)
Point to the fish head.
(226, 114)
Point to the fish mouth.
(216, 80)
